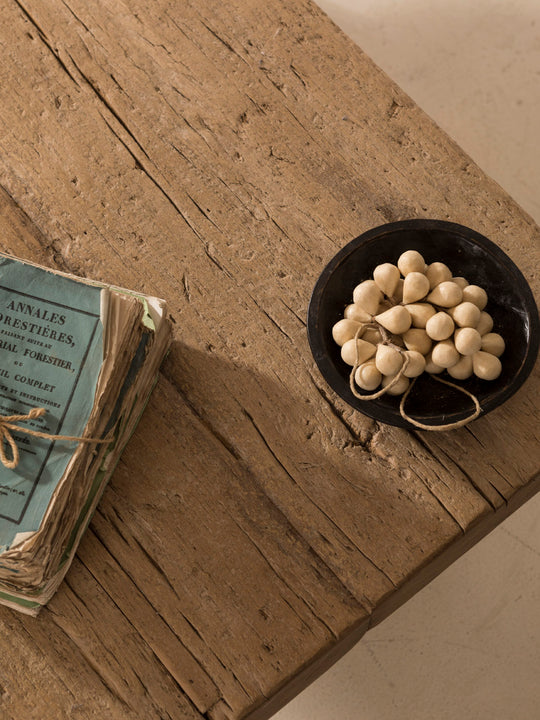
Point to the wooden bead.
(367, 376)
(486, 366)
(388, 360)
(416, 364)
(355, 312)
(387, 277)
(446, 294)
(417, 339)
(463, 369)
(467, 340)
(415, 287)
(440, 326)
(431, 367)
(368, 296)
(420, 313)
(344, 330)
(445, 354)
(485, 324)
(437, 273)
(466, 314)
(411, 261)
(493, 343)
(397, 320)
(365, 351)
(399, 388)
(372, 335)
(476, 295)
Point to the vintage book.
(78, 360)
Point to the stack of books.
(78, 360)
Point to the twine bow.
(9, 423)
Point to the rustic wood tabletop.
(218, 155)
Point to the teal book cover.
(51, 353)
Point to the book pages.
(87, 355)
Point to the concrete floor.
(467, 647)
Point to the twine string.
(387, 340)
(9, 423)
(447, 426)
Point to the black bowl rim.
(390, 416)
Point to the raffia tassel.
(8, 423)
(398, 376)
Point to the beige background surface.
(468, 646)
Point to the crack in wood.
(301, 320)
(223, 441)
(503, 477)
(147, 640)
(316, 505)
(29, 17)
(140, 166)
(497, 490)
(454, 462)
(331, 631)
(224, 42)
(274, 322)
(185, 287)
(95, 666)
(295, 71)
(101, 97)
(365, 443)
(199, 134)
(77, 18)
(45, 41)
(203, 212)
(471, 432)
(438, 500)
(221, 710)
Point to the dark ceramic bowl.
(468, 254)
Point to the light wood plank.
(218, 155)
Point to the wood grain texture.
(218, 155)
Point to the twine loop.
(8, 423)
(387, 340)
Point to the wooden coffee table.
(218, 155)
